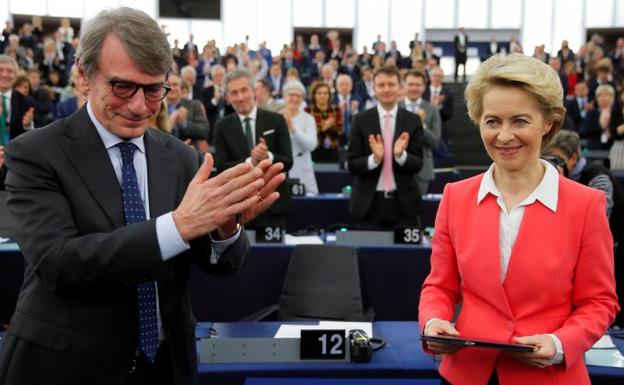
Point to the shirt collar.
(547, 191)
(382, 112)
(409, 102)
(252, 115)
(7, 94)
(110, 139)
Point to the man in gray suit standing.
(414, 82)
(110, 216)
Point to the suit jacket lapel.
(161, 163)
(238, 134)
(375, 127)
(85, 150)
(259, 125)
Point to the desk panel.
(398, 359)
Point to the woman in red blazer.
(527, 253)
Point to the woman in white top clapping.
(302, 128)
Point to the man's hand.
(217, 92)
(28, 117)
(400, 144)
(422, 113)
(376, 145)
(1, 156)
(438, 327)
(182, 114)
(266, 196)
(260, 152)
(544, 350)
(213, 202)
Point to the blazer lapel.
(85, 150)
(161, 164)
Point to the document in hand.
(478, 343)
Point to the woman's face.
(605, 100)
(293, 99)
(512, 127)
(321, 96)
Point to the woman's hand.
(438, 327)
(544, 350)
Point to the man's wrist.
(229, 229)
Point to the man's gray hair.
(140, 35)
(566, 141)
(237, 74)
(9, 59)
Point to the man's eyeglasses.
(126, 89)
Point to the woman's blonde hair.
(519, 71)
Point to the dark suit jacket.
(573, 111)
(76, 316)
(446, 109)
(19, 106)
(591, 130)
(460, 51)
(66, 108)
(231, 147)
(214, 112)
(365, 181)
(197, 126)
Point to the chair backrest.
(322, 282)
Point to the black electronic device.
(360, 346)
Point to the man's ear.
(82, 74)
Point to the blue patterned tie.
(146, 292)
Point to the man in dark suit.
(213, 97)
(250, 136)
(385, 155)
(110, 216)
(188, 119)
(438, 95)
(349, 103)
(460, 42)
(16, 110)
(578, 107)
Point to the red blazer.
(560, 280)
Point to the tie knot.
(127, 150)
(388, 116)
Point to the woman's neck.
(516, 186)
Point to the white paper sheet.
(294, 330)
